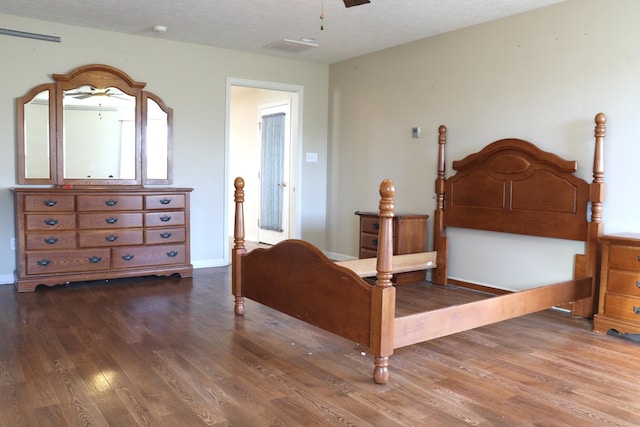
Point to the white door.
(275, 143)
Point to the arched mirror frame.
(100, 77)
(51, 131)
(146, 144)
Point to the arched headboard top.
(513, 186)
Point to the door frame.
(295, 160)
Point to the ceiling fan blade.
(350, 3)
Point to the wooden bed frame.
(509, 186)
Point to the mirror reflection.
(36, 137)
(99, 133)
(156, 141)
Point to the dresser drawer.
(108, 238)
(627, 257)
(51, 241)
(55, 221)
(622, 306)
(108, 220)
(49, 203)
(164, 219)
(164, 235)
(68, 261)
(624, 282)
(165, 201)
(143, 256)
(108, 202)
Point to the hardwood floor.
(170, 352)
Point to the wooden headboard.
(513, 186)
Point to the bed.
(509, 186)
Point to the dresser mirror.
(93, 126)
(36, 130)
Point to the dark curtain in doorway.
(272, 169)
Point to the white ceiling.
(254, 26)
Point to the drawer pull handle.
(127, 257)
(166, 235)
(111, 220)
(51, 240)
(165, 201)
(111, 238)
(111, 202)
(95, 259)
(43, 262)
(51, 221)
(165, 218)
(173, 254)
(636, 310)
(376, 226)
(638, 284)
(375, 242)
(50, 202)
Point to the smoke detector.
(160, 29)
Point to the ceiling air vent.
(289, 45)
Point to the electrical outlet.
(12, 243)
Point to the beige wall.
(540, 76)
(191, 79)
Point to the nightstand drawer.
(627, 257)
(370, 225)
(624, 282)
(369, 241)
(622, 306)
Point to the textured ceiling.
(258, 25)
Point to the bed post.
(440, 242)
(238, 246)
(383, 294)
(589, 268)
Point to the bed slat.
(366, 267)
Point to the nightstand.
(619, 304)
(409, 236)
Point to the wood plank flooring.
(170, 352)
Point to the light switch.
(312, 157)
(415, 132)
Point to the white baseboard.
(338, 257)
(208, 263)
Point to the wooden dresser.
(619, 304)
(79, 234)
(409, 236)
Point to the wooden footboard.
(296, 278)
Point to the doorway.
(247, 103)
(275, 143)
